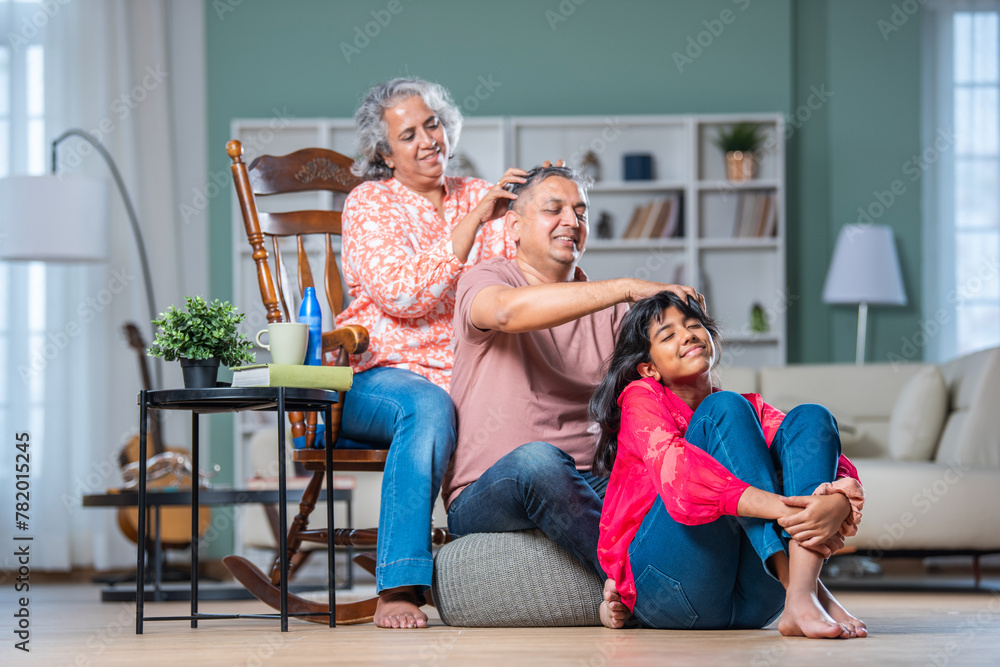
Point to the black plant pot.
(200, 373)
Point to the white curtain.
(131, 73)
(961, 122)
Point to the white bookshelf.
(734, 272)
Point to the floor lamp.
(60, 218)
(864, 271)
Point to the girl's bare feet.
(398, 608)
(613, 612)
(854, 625)
(804, 616)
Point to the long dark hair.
(632, 349)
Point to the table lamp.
(64, 218)
(865, 271)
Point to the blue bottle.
(310, 313)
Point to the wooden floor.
(69, 626)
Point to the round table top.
(235, 399)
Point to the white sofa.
(925, 440)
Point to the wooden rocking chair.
(312, 169)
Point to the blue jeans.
(535, 486)
(713, 576)
(416, 418)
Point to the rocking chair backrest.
(307, 170)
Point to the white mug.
(286, 341)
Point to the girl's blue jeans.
(415, 418)
(713, 576)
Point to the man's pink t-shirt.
(512, 389)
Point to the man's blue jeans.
(416, 418)
(535, 486)
(713, 576)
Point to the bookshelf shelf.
(739, 244)
(754, 184)
(636, 186)
(727, 238)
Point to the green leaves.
(203, 331)
(746, 137)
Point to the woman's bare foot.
(613, 612)
(804, 616)
(397, 608)
(856, 626)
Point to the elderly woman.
(409, 233)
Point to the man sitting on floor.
(531, 337)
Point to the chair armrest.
(353, 338)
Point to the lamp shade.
(53, 218)
(865, 268)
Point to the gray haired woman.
(409, 233)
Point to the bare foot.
(613, 612)
(804, 616)
(397, 608)
(856, 626)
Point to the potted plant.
(740, 142)
(201, 337)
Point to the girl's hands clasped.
(819, 521)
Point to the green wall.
(595, 57)
(560, 57)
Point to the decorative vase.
(740, 166)
(200, 373)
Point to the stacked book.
(756, 215)
(334, 378)
(657, 219)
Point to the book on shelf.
(334, 378)
(756, 215)
(637, 224)
(658, 218)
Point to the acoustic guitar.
(166, 468)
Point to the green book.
(334, 378)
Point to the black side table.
(227, 399)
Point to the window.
(962, 230)
(22, 151)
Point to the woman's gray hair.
(373, 131)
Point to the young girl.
(702, 484)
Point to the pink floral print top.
(401, 272)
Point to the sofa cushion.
(918, 416)
(515, 579)
(972, 431)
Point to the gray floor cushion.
(516, 579)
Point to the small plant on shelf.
(740, 142)
(205, 333)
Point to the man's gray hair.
(373, 130)
(539, 174)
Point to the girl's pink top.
(653, 460)
(401, 271)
